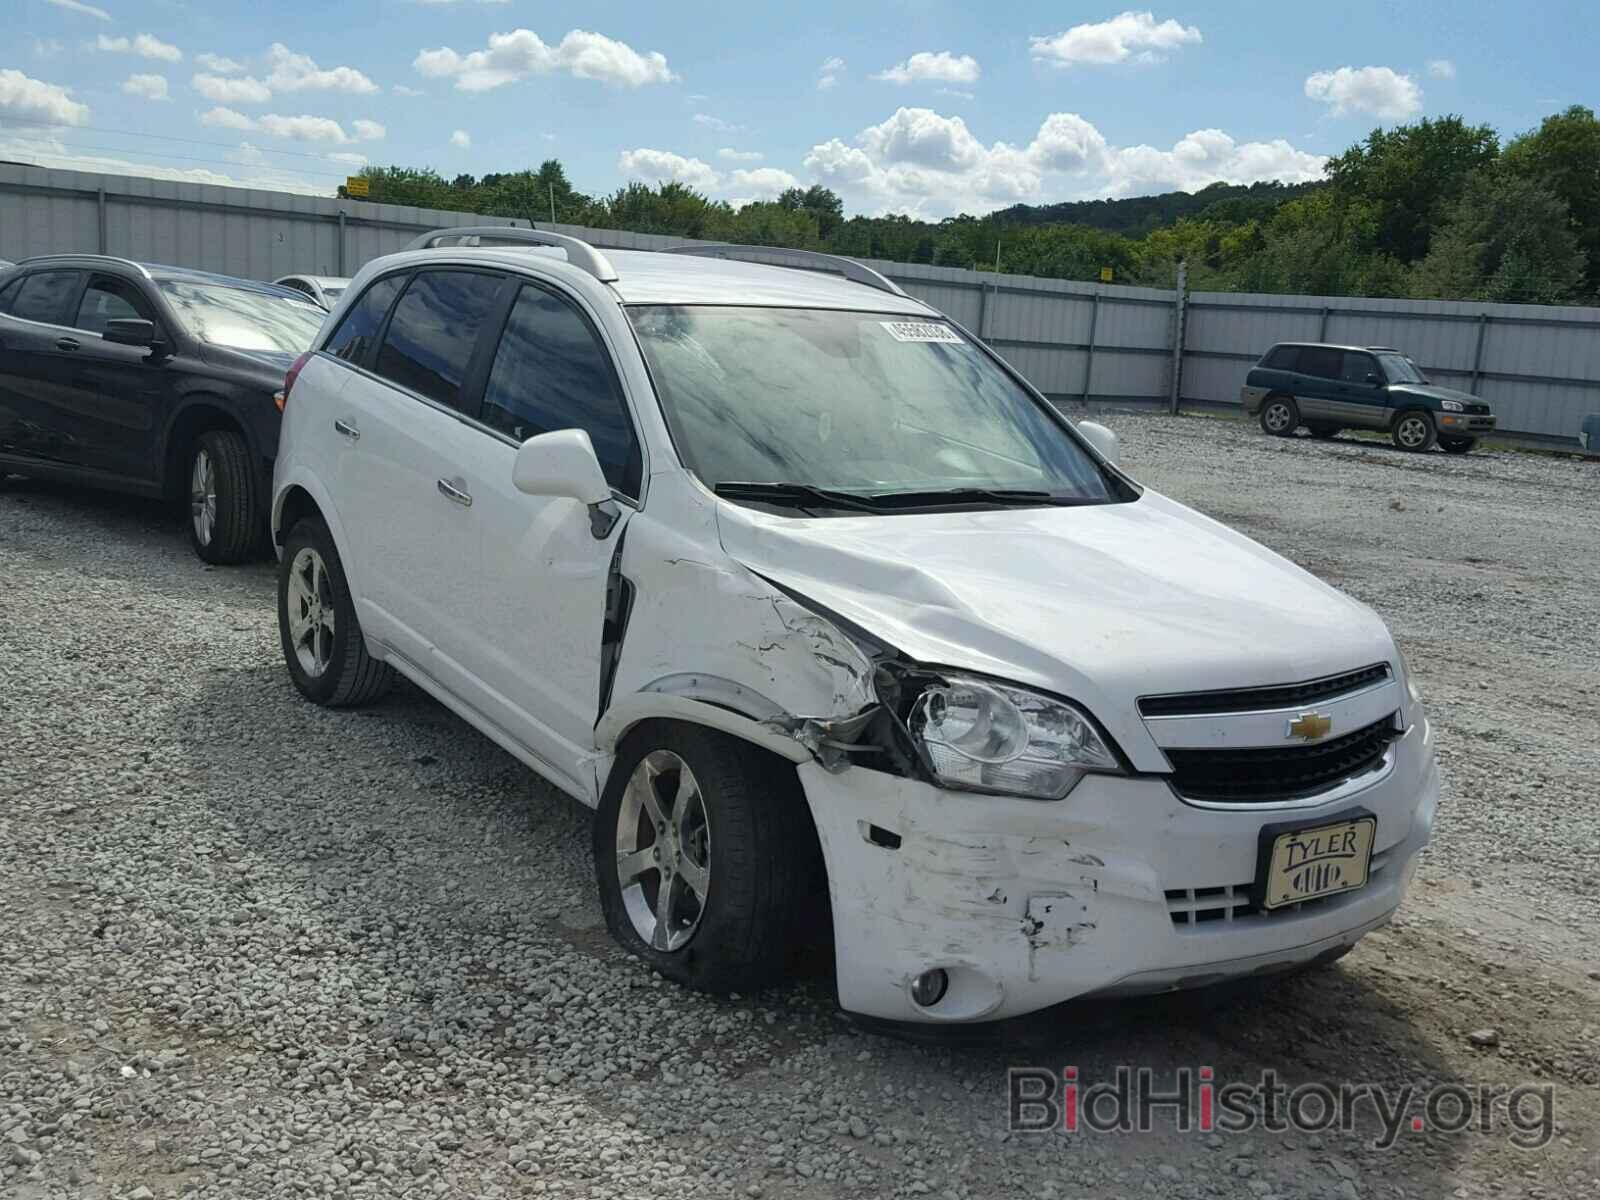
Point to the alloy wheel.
(203, 496)
(663, 851)
(311, 611)
(1277, 418)
(1413, 432)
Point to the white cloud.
(924, 162)
(931, 67)
(1377, 90)
(828, 73)
(717, 123)
(304, 128)
(1441, 68)
(231, 91)
(520, 53)
(347, 158)
(461, 140)
(729, 154)
(291, 72)
(149, 87)
(663, 166)
(401, 89)
(47, 47)
(50, 152)
(763, 183)
(226, 118)
(369, 131)
(145, 45)
(87, 10)
(957, 93)
(217, 64)
(27, 99)
(1135, 36)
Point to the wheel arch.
(302, 495)
(1412, 406)
(200, 412)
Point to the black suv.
(156, 381)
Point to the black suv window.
(1281, 358)
(354, 338)
(550, 372)
(1321, 362)
(9, 293)
(1358, 366)
(434, 331)
(107, 299)
(44, 296)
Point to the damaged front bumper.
(1027, 903)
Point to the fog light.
(929, 988)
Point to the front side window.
(551, 373)
(45, 296)
(358, 332)
(243, 318)
(861, 403)
(1357, 367)
(106, 300)
(434, 331)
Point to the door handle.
(67, 343)
(451, 492)
(349, 430)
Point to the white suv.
(821, 605)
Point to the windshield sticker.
(922, 331)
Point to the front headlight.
(989, 737)
(1452, 406)
(1406, 681)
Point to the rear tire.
(225, 514)
(1454, 445)
(1414, 431)
(322, 642)
(1280, 416)
(724, 827)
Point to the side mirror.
(130, 331)
(563, 463)
(1101, 438)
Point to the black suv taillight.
(281, 398)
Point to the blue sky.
(927, 108)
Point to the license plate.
(1308, 862)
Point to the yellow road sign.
(356, 186)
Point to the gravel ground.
(252, 948)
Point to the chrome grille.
(1270, 775)
(1258, 699)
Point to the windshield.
(242, 319)
(852, 402)
(1400, 369)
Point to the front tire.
(225, 515)
(1454, 445)
(1415, 431)
(703, 849)
(1280, 416)
(322, 642)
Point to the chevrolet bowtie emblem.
(1310, 726)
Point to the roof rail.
(579, 253)
(848, 267)
(80, 257)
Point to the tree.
(1409, 175)
(822, 203)
(1564, 153)
(1508, 238)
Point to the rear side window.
(9, 293)
(434, 330)
(354, 339)
(549, 373)
(1281, 358)
(1325, 364)
(44, 296)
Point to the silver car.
(324, 289)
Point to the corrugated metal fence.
(1077, 342)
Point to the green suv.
(1329, 388)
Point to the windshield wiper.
(1008, 497)
(798, 495)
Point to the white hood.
(1102, 604)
